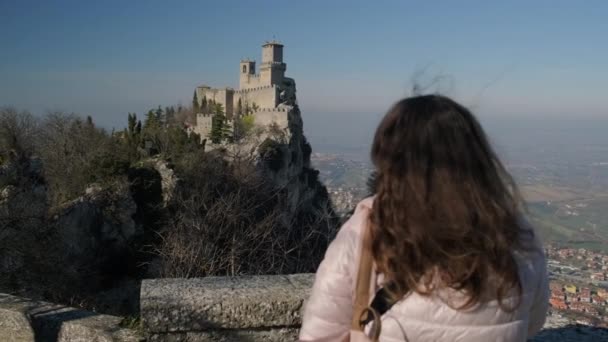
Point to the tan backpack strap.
(364, 274)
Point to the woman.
(450, 249)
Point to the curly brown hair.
(447, 214)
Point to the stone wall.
(225, 97)
(204, 123)
(259, 308)
(264, 96)
(24, 320)
(248, 81)
(249, 308)
(268, 116)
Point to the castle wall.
(268, 116)
(203, 125)
(250, 81)
(264, 97)
(223, 96)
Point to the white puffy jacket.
(328, 311)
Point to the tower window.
(244, 69)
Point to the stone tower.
(247, 72)
(272, 69)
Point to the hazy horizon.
(508, 134)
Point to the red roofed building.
(558, 304)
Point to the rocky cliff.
(285, 159)
(23, 208)
(77, 251)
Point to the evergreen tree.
(218, 121)
(195, 105)
(138, 127)
(151, 121)
(218, 108)
(160, 115)
(132, 136)
(227, 132)
(216, 128)
(194, 139)
(177, 140)
(168, 116)
(204, 105)
(132, 122)
(239, 108)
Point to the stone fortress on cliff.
(269, 95)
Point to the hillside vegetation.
(85, 213)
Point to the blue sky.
(107, 58)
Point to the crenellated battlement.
(249, 90)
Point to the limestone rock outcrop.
(285, 160)
(169, 180)
(97, 226)
(23, 208)
(75, 249)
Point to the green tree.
(132, 123)
(247, 108)
(133, 129)
(170, 115)
(151, 121)
(152, 133)
(176, 141)
(132, 137)
(218, 123)
(248, 123)
(160, 115)
(138, 127)
(218, 108)
(239, 108)
(243, 126)
(216, 128)
(204, 105)
(227, 131)
(195, 105)
(194, 139)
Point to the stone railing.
(258, 308)
(249, 308)
(24, 320)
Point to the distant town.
(579, 287)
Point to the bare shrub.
(231, 221)
(18, 133)
(72, 150)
